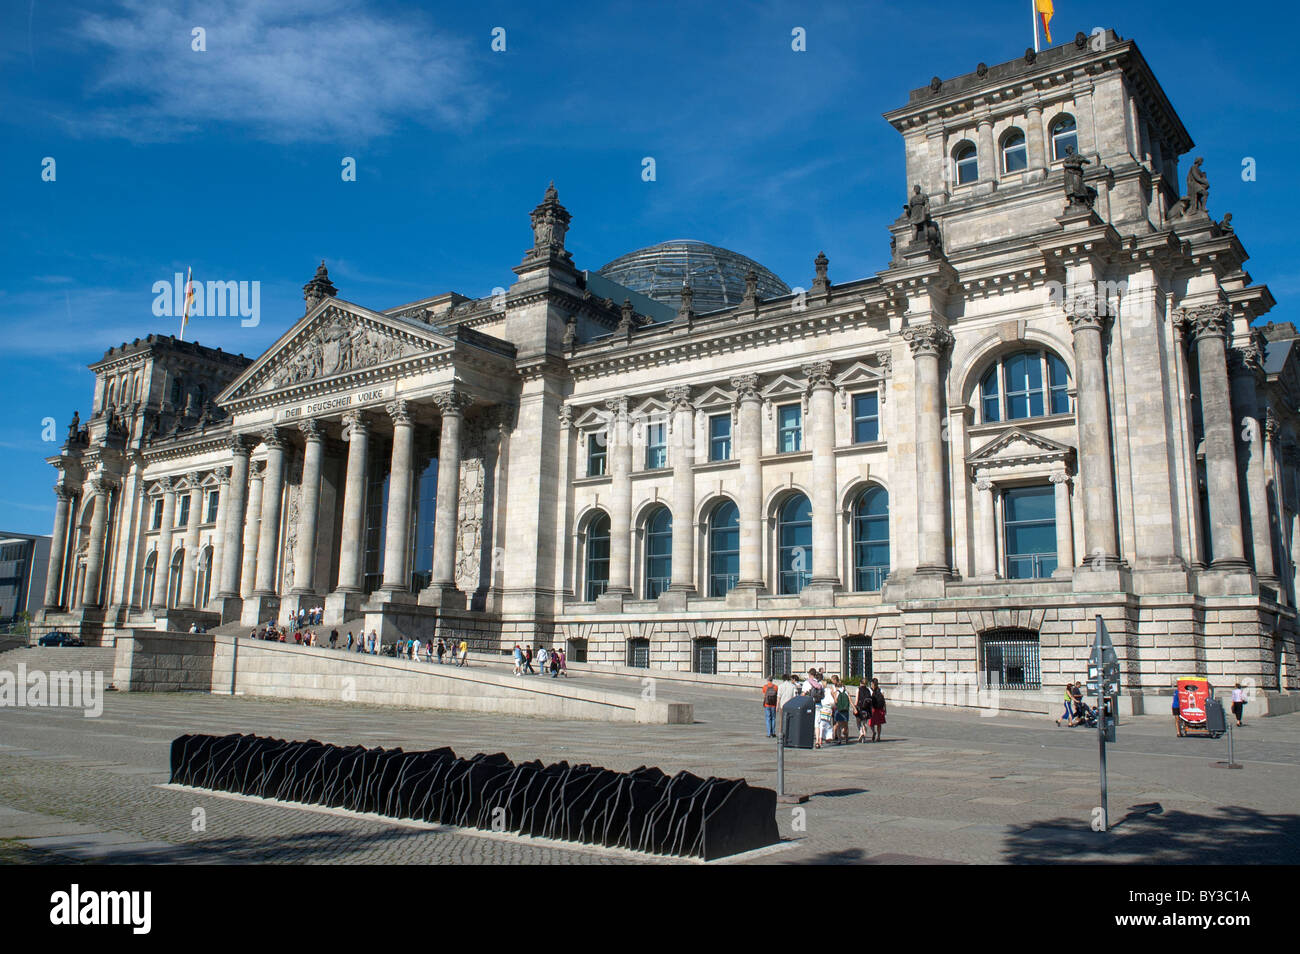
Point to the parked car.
(57, 638)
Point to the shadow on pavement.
(1233, 835)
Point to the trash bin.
(1215, 722)
(798, 716)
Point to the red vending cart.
(1193, 694)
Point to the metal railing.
(870, 579)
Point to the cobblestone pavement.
(943, 786)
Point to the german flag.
(1045, 12)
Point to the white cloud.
(286, 71)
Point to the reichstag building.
(1059, 399)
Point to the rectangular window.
(720, 437)
(596, 454)
(213, 499)
(1029, 519)
(183, 510)
(157, 514)
(1058, 381)
(1024, 385)
(789, 436)
(866, 418)
(656, 445)
(1009, 659)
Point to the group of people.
(283, 634)
(307, 617)
(548, 660)
(1077, 712)
(833, 703)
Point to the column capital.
(566, 416)
(256, 469)
(63, 492)
(241, 445)
(818, 374)
(452, 401)
(222, 473)
(273, 438)
(1209, 321)
(355, 422)
(679, 397)
(1247, 358)
(399, 411)
(311, 429)
(195, 477)
(1081, 311)
(928, 340)
(98, 486)
(1060, 477)
(745, 386)
(617, 406)
(166, 484)
(1271, 426)
(984, 484)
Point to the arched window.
(1025, 384)
(966, 166)
(174, 581)
(724, 548)
(150, 574)
(658, 552)
(1065, 138)
(794, 544)
(870, 539)
(597, 556)
(1014, 156)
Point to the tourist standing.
(843, 705)
(1178, 710)
(564, 663)
(464, 653)
(542, 659)
(334, 639)
(788, 689)
(877, 710)
(770, 699)
(863, 709)
(1238, 702)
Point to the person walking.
(442, 649)
(528, 661)
(862, 709)
(1068, 714)
(464, 653)
(542, 659)
(564, 664)
(771, 698)
(519, 660)
(843, 705)
(877, 710)
(1238, 702)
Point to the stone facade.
(1057, 402)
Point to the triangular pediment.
(592, 418)
(858, 374)
(334, 339)
(1016, 446)
(715, 397)
(785, 386)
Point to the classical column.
(1064, 526)
(988, 158)
(451, 405)
(58, 546)
(987, 526)
(1096, 468)
(397, 530)
(683, 490)
(356, 431)
(252, 529)
(101, 490)
(233, 504)
(821, 405)
(1035, 151)
(1247, 368)
(217, 568)
(749, 446)
(190, 563)
(304, 554)
(928, 343)
(1209, 330)
(620, 504)
(268, 536)
(162, 567)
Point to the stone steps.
(60, 658)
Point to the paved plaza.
(944, 786)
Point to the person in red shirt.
(769, 707)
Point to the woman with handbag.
(877, 710)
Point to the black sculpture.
(1079, 195)
(644, 810)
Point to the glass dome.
(717, 275)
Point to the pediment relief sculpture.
(337, 345)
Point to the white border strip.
(509, 837)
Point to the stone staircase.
(61, 659)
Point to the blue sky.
(229, 160)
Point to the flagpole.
(1033, 20)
